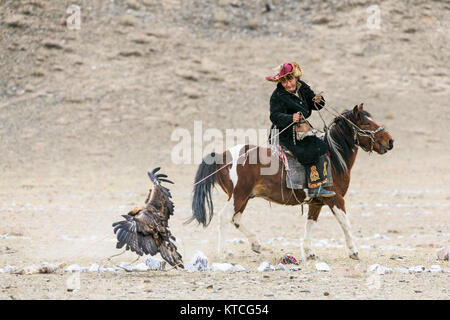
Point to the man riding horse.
(293, 101)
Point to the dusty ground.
(85, 113)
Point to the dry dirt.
(85, 113)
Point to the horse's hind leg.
(313, 215)
(228, 207)
(236, 221)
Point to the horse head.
(368, 134)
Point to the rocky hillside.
(109, 94)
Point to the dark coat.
(283, 105)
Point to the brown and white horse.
(243, 179)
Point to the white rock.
(379, 269)
(402, 270)
(236, 240)
(280, 266)
(198, 263)
(155, 264)
(417, 269)
(8, 269)
(294, 268)
(46, 267)
(139, 267)
(322, 266)
(94, 268)
(73, 268)
(265, 266)
(126, 266)
(106, 269)
(33, 269)
(436, 268)
(222, 267)
(238, 268)
(443, 254)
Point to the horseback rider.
(293, 101)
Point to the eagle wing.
(145, 230)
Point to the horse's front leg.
(339, 212)
(313, 215)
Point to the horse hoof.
(256, 248)
(354, 256)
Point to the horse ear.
(356, 110)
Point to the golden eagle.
(145, 230)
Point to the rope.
(241, 156)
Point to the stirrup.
(320, 192)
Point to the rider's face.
(289, 83)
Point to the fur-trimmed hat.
(286, 69)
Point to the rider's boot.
(317, 176)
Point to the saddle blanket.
(296, 172)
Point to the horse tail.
(204, 181)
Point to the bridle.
(357, 132)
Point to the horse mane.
(340, 139)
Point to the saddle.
(295, 171)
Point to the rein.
(244, 154)
(357, 131)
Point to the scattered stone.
(238, 268)
(443, 254)
(410, 30)
(140, 39)
(139, 267)
(107, 269)
(322, 266)
(73, 268)
(326, 294)
(294, 269)
(280, 266)
(402, 270)
(396, 257)
(252, 24)
(191, 93)
(320, 20)
(198, 263)
(131, 53)
(416, 269)
(237, 240)
(36, 72)
(16, 21)
(155, 264)
(51, 44)
(128, 21)
(265, 266)
(187, 75)
(132, 4)
(94, 268)
(220, 18)
(222, 267)
(436, 268)
(379, 269)
(126, 266)
(8, 269)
